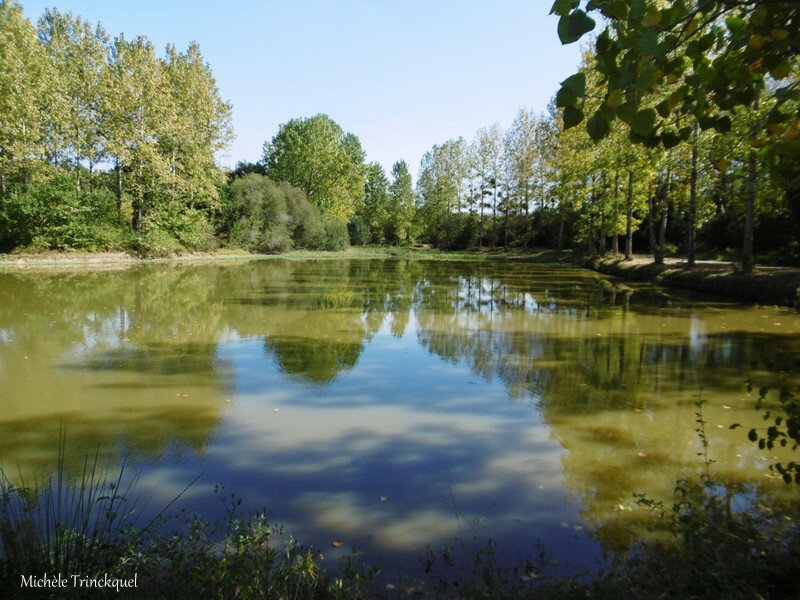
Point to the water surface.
(393, 404)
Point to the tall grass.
(66, 523)
(89, 524)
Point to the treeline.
(690, 144)
(535, 184)
(104, 144)
(344, 200)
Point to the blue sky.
(400, 75)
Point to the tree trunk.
(118, 190)
(138, 202)
(662, 236)
(505, 224)
(629, 222)
(590, 237)
(662, 231)
(603, 195)
(651, 220)
(749, 213)
(615, 236)
(560, 242)
(747, 248)
(691, 233)
(494, 213)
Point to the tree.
(78, 55)
(198, 124)
(718, 55)
(401, 202)
(315, 155)
(24, 82)
(375, 207)
(440, 190)
(134, 110)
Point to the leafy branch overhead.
(665, 66)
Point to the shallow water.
(393, 404)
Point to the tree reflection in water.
(153, 362)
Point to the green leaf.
(572, 27)
(670, 139)
(644, 121)
(723, 124)
(597, 126)
(663, 109)
(615, 99)
(572, 117)
(706, 122)
(565, 97)
(562, 7)
(627, 111)
(575, 84)
(735, 24)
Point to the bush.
(154, 242)
(336, 236)
(52, 216)
(359, 231)
(265, 216)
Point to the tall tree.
(401, 199)
(198, 124)
(134, 109)
(25, 80)
(375, 211)
(78, 55)
(315, 155)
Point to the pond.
(392, 404)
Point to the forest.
(678, 136)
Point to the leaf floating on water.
(384, 498)
(577, 527)
(337, 543)
(564, 524)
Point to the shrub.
(336, 236)
(52, 216)
(154, 242)
(265, 216)
(359, 231)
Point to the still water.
(392, 404)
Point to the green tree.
(24, 82)
(134, 110)
(315, 155)
(401, 202)
(375, 206)
(717, 55)
(78, 55)
(198, 125)
(440, 190)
